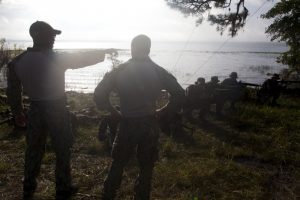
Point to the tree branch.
(232, 21)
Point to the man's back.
(139, 84)
(230, 82)
(211, 88)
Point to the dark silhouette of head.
(233, 75)
(214, 79)
(43, 35)
(200, 80)
(140, 46)
(275, 77)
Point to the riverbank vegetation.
(250, 153)
(7, 53)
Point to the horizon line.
(167, 41)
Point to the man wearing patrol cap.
(43, 34)
(39, 71)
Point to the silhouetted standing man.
(41, 73)
(138, 83)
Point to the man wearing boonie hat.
(40, 73)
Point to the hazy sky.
(119, 20)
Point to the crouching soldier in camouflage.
(138, 83)
(270, 90)
(231, 90)
(211, 88)
(40, 72)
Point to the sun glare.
(106, 19)
(103, 20)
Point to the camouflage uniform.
(41, 74)
(14, 87)
(139, 84)
(270, 90)
(211, 89)
(140, 133)
(196, 99)
(230, 91)
(48, 118)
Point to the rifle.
(290, 87)
(8, 120)
(249, 84)
(8, 117)
(288, 82)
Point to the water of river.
(252, 61)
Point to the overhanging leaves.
(232, 20)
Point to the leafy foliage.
(286, 28)
(4, 53)
(232, 20)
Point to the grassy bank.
(252, 153)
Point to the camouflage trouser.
(140, 134)
(48, 117)
(232, 96)
(203, 105)
(268, 96)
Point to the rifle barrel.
(250, 84)
(6, 120)
(289, 81)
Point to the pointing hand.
(112, 52)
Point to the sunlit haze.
(119, 20)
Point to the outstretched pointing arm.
(83, 59)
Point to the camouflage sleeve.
(103, 90)
(14, 90)
(79, 59)
(170, 84)
(224, 82)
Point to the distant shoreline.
(215, 46)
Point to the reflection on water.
(262, 69)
